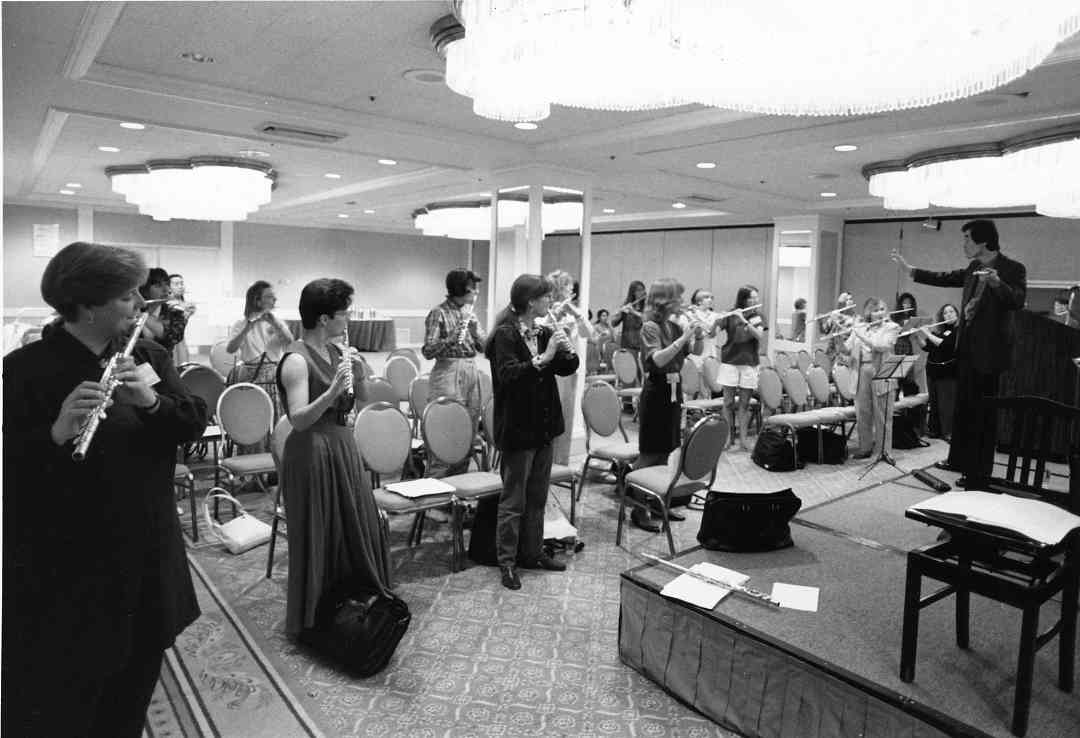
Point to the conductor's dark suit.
(984, 349)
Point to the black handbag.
(753, 521)
(358, 628)
(775, 450)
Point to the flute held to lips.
(110, 383)
(558, 334)
(739, 311)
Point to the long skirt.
(335, 533)
(561, 444)
(660, 416)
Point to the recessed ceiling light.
(845, 147)
(526, 126)
(343, 215)
(706, 165)
(822, 175)
(253, 153)
(132, 126)
(369, 211)
(198, 57)
(678, 205)
(828, 194)
(67, 192)
(332, 175)
(424, 76)
(73, 185)
(388, 162)
(609, 211)
(108, 149)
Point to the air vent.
(303, 134)
(704, 199)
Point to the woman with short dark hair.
(525, 358)
(96, 583)
(335, 535)
(941, 370)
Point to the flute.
(932, 325)
(750, 592)
(630, 304)
(833, 312)
(738, 311)
(558, 334)
(110, 382)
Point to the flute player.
(96, 583)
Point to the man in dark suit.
(995, 286)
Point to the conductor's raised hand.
(896, 256)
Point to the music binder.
(1002, 514)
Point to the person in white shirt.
(260, 338)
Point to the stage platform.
(763, 671)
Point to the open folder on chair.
(1039, 522)
(414, 488)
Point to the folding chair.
(378, 389)
(1010, 569)
(418, 394)
(245, 414)
(782, 362)
(822, 359)
(221, 360)
(802, 361)
(400, 372)
(600, 406)
(697, 398)
(695, 471)
(627, 376)
(207, 383)
(277, 450)
(449, 433)
(184, 480)
(409, 354)
(383, 437)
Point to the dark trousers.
(942, 405)
(974, 427)
(526, 476)
(86, 705)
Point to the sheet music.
(1036, 520)
(796, 596)
(702, 594)
(420, 488)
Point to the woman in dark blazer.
(525, 357)
(96, 584)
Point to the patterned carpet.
(478, 660)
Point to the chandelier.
(790, 57)
(1040, 169)
(471, 219)
(200, 188)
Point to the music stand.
(892, 368)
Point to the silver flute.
(750, 592)
(110, 382)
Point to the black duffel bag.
(833, 446)
(358, 628)
(774, 450)
(752, 521)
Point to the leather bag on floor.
(359, 628)
(750, 521)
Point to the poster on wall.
(46, 239)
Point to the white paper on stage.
(420, 488)
(700, 593)
(1036, 520)
(795, 596)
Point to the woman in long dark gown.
(335, 534)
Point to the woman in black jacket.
(525, 357)
(96, 583)
(941, 371)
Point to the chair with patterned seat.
(694, 471)
(246, 415)
(449, 434)
(382, 435)
(603, 417)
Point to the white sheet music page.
(420, 487)
(700, 593)
(1039, 521)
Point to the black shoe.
(641, 519)
(677, 517)
(944, 466)
(509, 577)
(962, 482)
(545, 562)
(861, 454)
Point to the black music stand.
(892, 368)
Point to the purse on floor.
(242, 533)
(751, 521)
(358, 627)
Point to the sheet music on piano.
(1032, 519)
